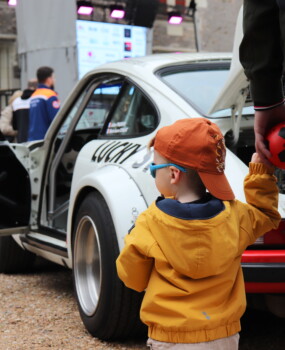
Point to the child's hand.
(257, 159)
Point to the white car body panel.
(133, 173)
(111, 180)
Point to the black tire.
(108, 309)
(14, 259)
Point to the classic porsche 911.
(72, 197)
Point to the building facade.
(9, 73)
(210, 29)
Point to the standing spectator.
(44, 104)
(262, 56)
(21, 107)
(185, 249)
(6, 118)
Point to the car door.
(81, 124)
(35, 179)
(15, 189)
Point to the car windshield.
(200, 86)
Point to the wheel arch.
(121, 194)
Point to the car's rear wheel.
(108, 309)
(14, 259)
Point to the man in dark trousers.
(262, 56)
(44, 104)
(21, 108)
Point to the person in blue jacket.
(44, 104)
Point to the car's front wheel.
(108, 309)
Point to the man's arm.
(6, 122)
(53, 105)
(261, 55)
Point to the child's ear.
(175, 175)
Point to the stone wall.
(216, 20)
(7, 20)
(167, 37)
(9, 74)
(215, 23)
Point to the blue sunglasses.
(153, 167)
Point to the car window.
(200, 84)
(96, 110)
(133, 115)
(69, 118)
(98, 106)
(82, 125)
(200, 88)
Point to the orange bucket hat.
(197, 143)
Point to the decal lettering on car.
(130, 230)
(115, 151)
(117, 128)
(146, 159)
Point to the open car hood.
(237, 83)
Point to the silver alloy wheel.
(87, 265)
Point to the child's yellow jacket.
(191, 268)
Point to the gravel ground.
(38, 311)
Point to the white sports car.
(72, 197)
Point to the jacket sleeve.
(261, 51)
(134, 265)
(260, 214)
(6, 122)
(53, 105)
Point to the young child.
(186, 248)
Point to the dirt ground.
(39, 311)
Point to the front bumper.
(264, 271)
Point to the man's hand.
(263, 122)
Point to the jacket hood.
(27, 93)
(197, 247)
